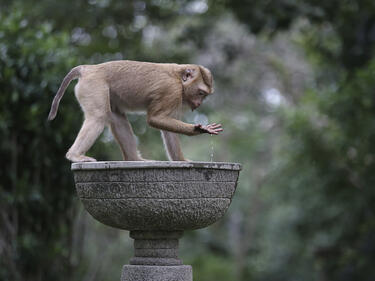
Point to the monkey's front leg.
(172, 146)
(170, 124)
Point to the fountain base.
(156, 258)
(159, 248)
(157, 273)
(156, 202)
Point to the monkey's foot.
(80, 158)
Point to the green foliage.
(106, 30)
(332, 140)
(352, 21)
(212, 267)
(36, 195)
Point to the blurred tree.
(35, 194)
(321, 185)
(328, 176)
(352, 22)
(106, 30)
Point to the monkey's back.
(134, 83)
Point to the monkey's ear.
(187, 74)
(207, 76)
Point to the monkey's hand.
(213, 129)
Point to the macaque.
(107, 91)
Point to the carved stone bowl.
(160, 195)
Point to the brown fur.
(107, 91)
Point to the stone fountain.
(156, 202)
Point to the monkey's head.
(197, 84)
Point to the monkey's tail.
(73, 74)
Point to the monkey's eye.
(202, 94)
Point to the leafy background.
(295, 92)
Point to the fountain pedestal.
(156, 202)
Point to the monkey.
(107, 91)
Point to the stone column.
(156, 258)
(156, 247)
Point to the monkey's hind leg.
(89, 132)
(124, 135)
(94, 100)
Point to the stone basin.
(156, 195)
(156, 201)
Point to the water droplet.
(212, 149)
